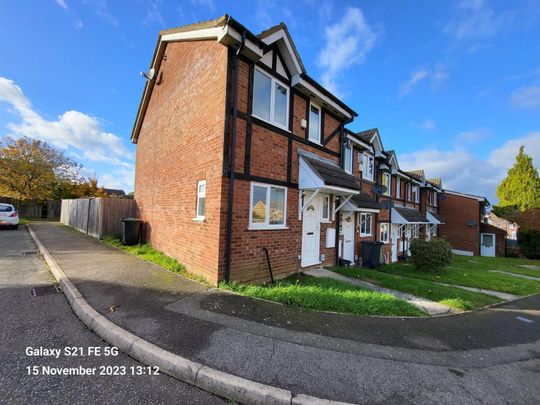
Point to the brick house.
(239, 162)
(465, 229)
(394, 206)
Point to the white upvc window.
(270, 99)
(384, 233)
(268, 206)
(386, 182)
(398, 187)
(409, 192)
(365, 224)
(201, 200)
(415, 231)
(325, 211)
(315, 123)
(348, 159)
(416, 194)
(368, 166)
(435, 199)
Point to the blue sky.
(454, 87)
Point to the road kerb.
(217, 382)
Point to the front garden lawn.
(326, 295)
(471, 274)
(508, 264)
(450, 296)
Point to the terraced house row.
(244, 162)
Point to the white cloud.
(204, 3)
(426, 125)
(73, 129)
(347, 43)
(473, 136)
(153, 15)
(61, 3)
(461, 171)
(102, 9)
(434, 76)
(78, 24)
(474, 19)
(120, 179)
(526, 97)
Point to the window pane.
(201, 206)
(314, 124)
(261, 95)
(280, 104)
(202, 188)
(325, 207)
(258, 208)
(348, 158)
(277, 206)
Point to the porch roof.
(402, 215)
(434, 218)
(318, 173)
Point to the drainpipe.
(232, 162)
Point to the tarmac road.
(47, 321)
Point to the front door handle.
(310, 233)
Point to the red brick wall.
(456, 211)
(181, 142)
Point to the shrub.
(430, 256)
(529, 243)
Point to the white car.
(8, 216)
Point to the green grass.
(146, 252)
(508, 264)
(463, 272)
(451, 296)
(326, 295)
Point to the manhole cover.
(29, 253)
(45, 290)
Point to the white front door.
(347, 229)
(311, 235)
(487, 244)
(394, 242)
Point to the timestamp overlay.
(49, 368)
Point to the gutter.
(232, 162)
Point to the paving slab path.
(486, 356)
(515, 275)
(498, 294)
(431, 307)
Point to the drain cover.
(45, 290)
(29, 253)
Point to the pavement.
(431, 307)
(47, 321)
(488, 356)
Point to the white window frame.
(365, 164)
(436, 199)
(389, 189)
(200, 195)
(266, 224)
(409, 192)
(324, 198)
(273, 81)
(398, 187)
(362, 216)
(347, 163)
(416, 193)
(317, 141)
(386, 232)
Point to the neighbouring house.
(464, 227)
(114, 193)
(511, 228)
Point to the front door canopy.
(434, 218)
(402, 215)
(318, 173)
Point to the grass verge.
(450, 296)
(146, 252)
(469, 275)
(326, 295)
(508, 264)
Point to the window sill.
(203, 219)
(315, 142)
(365, 235)
(274, 124)
(326, 221)
(267, 228)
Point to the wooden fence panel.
(98, 217)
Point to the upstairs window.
(201, 199)
(435, 199)
(365, 224)
(314, 123)
(409, 192)
(268, 206)
(384, 233)
(368, 168)
(398, 187)
(348, 159)
(270, 99)
(385, 181)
